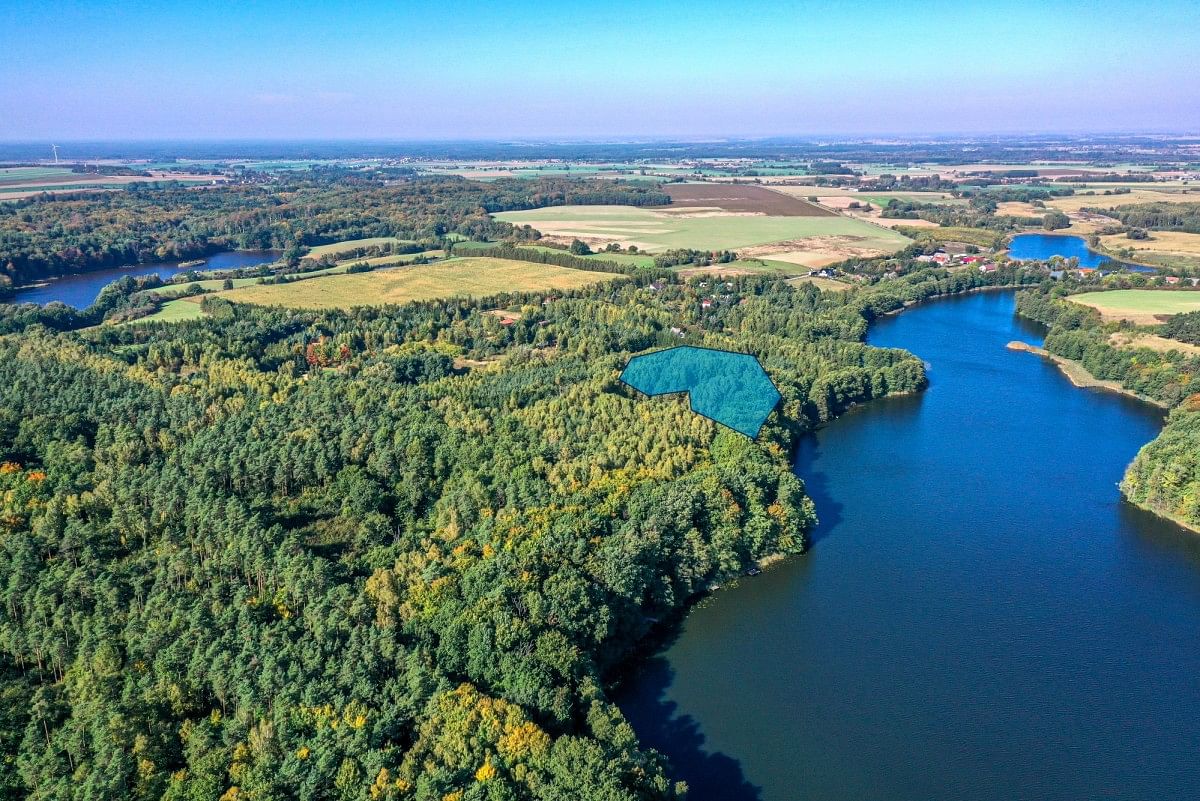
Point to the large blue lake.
(82, 289)
(981, 616)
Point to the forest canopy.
(399, 552)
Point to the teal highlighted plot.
(729, 388)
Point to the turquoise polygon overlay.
(730, 388)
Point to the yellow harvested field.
(1015, 208)
(1153, 342)
(814, 251)
(1100, 200)
(1172, 242)
(474, 277)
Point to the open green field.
(475, 277)
(10, 175)
(1144, 306)
(317, 251)
(173, 311)
(658, 230)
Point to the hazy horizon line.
(631, 138)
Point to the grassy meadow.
(475, 277)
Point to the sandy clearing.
(1153, 342)
(816, 251)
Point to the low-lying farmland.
(1142, 306)
(475, 277)
(741, 198)
(811, 241)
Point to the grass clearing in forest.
(317, 251)
(1142, 306)
(474, 277)
(174, 311)
(824, 284)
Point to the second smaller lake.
(1041, 247)
(81, 289)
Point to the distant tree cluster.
(47, 236)
(1157, 216)
(1183, 327)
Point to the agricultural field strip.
(656, 231)
(1144, 306)
(475, 277)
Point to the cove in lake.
(1046, 246)
(980, 617)
(82, 289)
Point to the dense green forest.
(1165, 476)
(398, 553)
(1183, 328)
(54, 235)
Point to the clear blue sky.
(413, 69)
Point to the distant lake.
(981, 617)
(82, 289)
(1046, 246)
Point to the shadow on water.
(710, 777)
(899, 410)
(816, 485)
(1158, 536)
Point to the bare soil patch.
(814, 251)
(742, 198)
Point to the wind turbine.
(55, 148)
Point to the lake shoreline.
(1035, 557)
(1080, 376)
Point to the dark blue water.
(981, 615)
(82, 289)
(1046, 246)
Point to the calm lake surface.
(1045, 246)
(980, 617)
(82, 289)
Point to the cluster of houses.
(944, 259)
